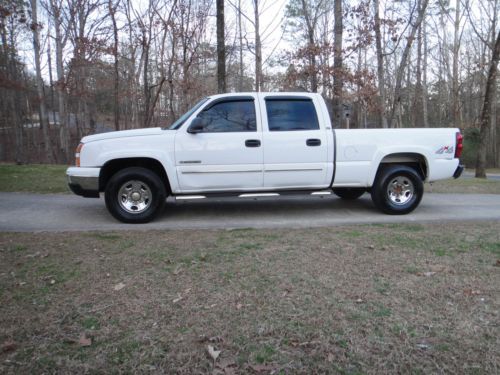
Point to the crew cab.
(261, 144)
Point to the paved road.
(34, 212)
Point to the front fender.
(160, 148)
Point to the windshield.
(176, 125)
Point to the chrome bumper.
(84, 181)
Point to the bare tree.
(258, 46)
(486, 111)
(221, 48)
(404, 61)
(55, 9)
(338, 63)
(44, 120)
(380, 66)
(112, 7)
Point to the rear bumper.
(458, 171)
(84, 181)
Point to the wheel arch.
(413, 160)
(115, 165)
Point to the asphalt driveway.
(51, 212)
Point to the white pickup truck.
(260, 144)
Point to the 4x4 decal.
(445, 150)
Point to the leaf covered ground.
(357, 299)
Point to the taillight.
(77, 154)
(459, 145)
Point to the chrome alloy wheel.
(134, 196)
(400, 190)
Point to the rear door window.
(291, 114)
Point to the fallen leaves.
(471, 292)
(84, 340)
(227, 366)
(214, 339)
(178, 299)
(119, 286)
(214, 354)
(262, 368)
(434, 269)
(8, 346)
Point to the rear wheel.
(135, 195)
(397, 190)
(349, 193)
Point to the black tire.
(405, 194)
(128, 184)
(349, 193)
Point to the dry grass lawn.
(359, 299)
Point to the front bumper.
(458, 171)
(84, 181)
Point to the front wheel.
(397, 190)
(135, 195)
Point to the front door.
(227, 153)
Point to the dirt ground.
(357, 299)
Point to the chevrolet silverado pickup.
(261, 144)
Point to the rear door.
(227, 154)
(295, 143)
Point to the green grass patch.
(491, 247)
(265, 354)
(106, 236)
(33, 178)
(91, 323)
(464, 186)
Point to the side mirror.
(197, 126)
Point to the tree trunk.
(258, 48)
(455, 87)
(486, 111)
(404, 61)
(338, 81)
(493, 150)
(44, 121)
(418, 99)
(221, 49)
(112, 10)
(145, 72)
(311, 44)
(382, 123)
(425, 112)
(240, 79)
(61, 85)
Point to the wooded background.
(69, 68)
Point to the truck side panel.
(361, 151)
